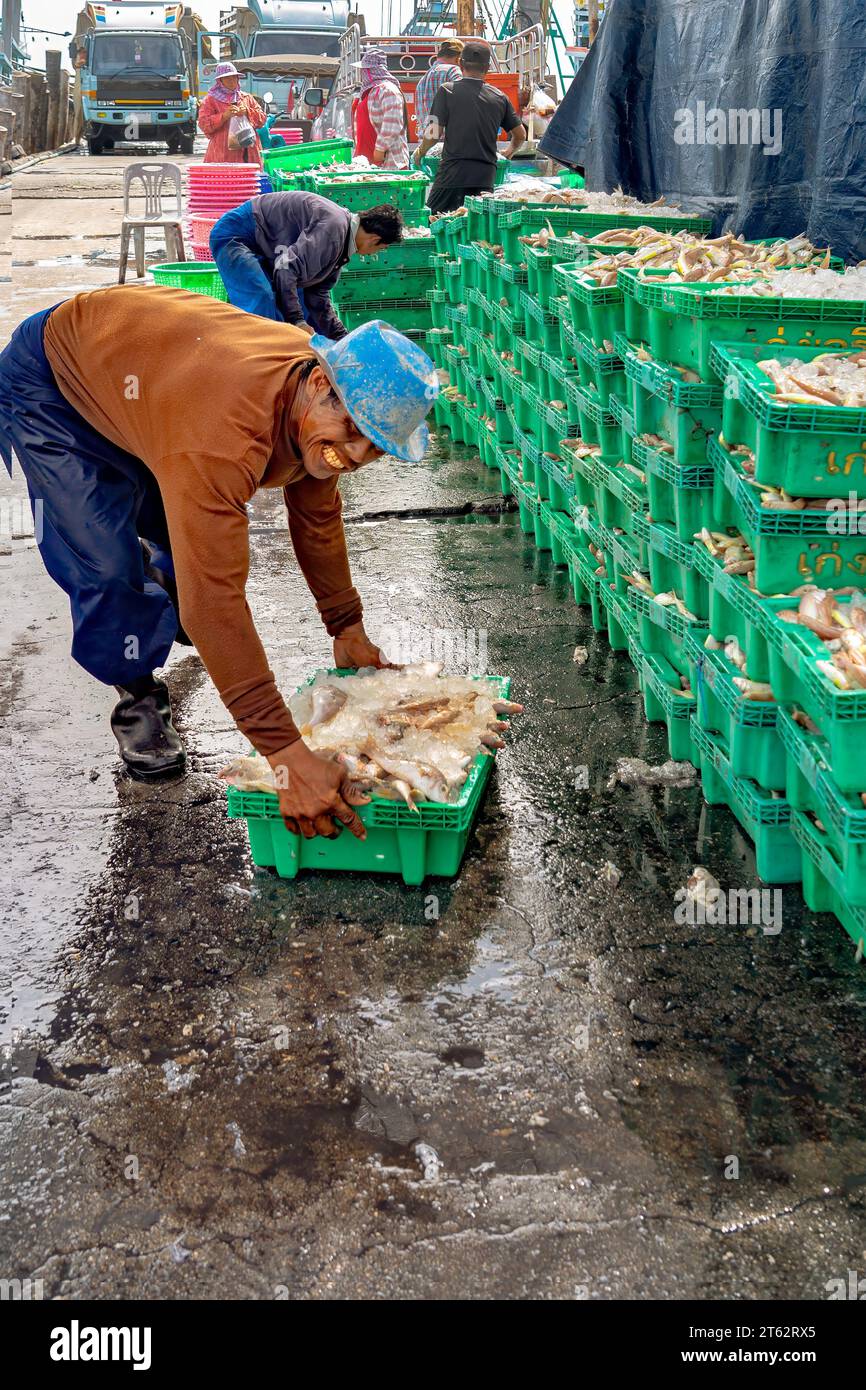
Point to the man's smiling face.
(329, 441)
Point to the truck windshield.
(126, 54)
(297, 41)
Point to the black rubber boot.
(165, 581)
(148, 741)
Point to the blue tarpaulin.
(749, 111)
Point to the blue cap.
(387, 384)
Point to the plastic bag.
(241, 133)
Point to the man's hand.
(353, 648)
(314, 793)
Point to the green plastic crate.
(824, 882)
(619, 496)
(313, 154)
(621, 624)
(684, 321)
(765, 818)
(791, 547)
(623, 418)
(812, 790)
(785, 655)
(748, 727)
(541, 324)
(596, 422)
(513, 222)
(811, 451)
(673, 565)
(664, 700)
(663, 628)
(382, 286)
(597, 310)
(680, 497)
(685, 414)
(602, 370)
(414, 844)
(540, 263)
(406, 192)
(200, 277)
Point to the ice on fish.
(407, 733)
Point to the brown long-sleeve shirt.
(201, 393)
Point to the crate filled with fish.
(619, 618)
(730, 703)
(672, 403)
(764, 815)
(814, 793)
(673, 565)
(802, 414)
(811, 308)
(795, 540)
(663, 621)
(824, 883)
(620, 494)
(596, 420)
(419, 744)
(367, 189)
(682, 497)
(667, 699)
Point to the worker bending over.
(281, 254)
(144, 420)
(467, 116)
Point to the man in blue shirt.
(281, 254)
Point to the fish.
(427, 780)
(753, 690)
(326, 702)
(249, 774)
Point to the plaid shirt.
(385, 109)
(427, 88)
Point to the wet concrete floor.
(522, 1083)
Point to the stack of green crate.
(609, 415)
(393, 285)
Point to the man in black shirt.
(468, 115)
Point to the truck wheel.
(94, 144)
(187, 144)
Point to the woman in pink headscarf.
(224, 100)
(379, 114)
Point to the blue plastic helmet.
(387, 384)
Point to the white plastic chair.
(153, 176)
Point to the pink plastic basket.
(200, 228)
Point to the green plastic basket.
(811, 451)
(413, 844)
(313, 154)
(201, 277)
(682, 497)
(749, 727)
(673, 565)
(685, 414)
(596, 310)
(599, 369)
(411, 314)
(791, 547)
(765, 818)
(381, 284)
(684, 321)
(407, 192)
(825, 882)
(664, 700)
(813, 791)
(662, 628)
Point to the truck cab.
(137, 78)
(273, 29)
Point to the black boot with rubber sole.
(149, 743)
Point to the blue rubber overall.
(233, 247)
(96, 501)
